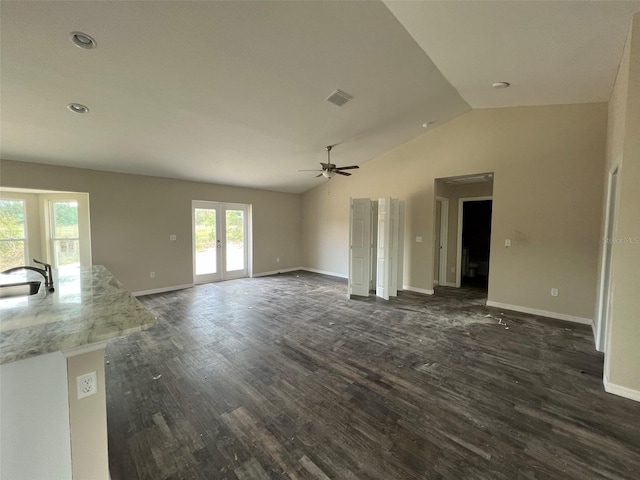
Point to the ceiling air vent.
(469, 179)
(339, 98)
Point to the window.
(13, 234)
(65, 234)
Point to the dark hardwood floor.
(285, 377)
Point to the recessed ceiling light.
(83, 40)
(77, 108)
(501, 85)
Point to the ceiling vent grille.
(339, 98)
(469, 179)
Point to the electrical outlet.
(87, 384)
(277, 259)
(554, 292)
(507, 242)
(172, 238)
(418, 239)
(152, 274)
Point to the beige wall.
(622, 357)
(88, 418)
(454, 193)
(132, 217)
(547, 163)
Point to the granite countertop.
(88, 306)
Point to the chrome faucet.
(45, 272)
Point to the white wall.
(34, 414)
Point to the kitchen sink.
(23, 289)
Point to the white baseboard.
(418, 290)
(275, 272)
(543, 313)
(620, 390)
(324, 272)
(161, 290)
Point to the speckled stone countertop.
(88, 306)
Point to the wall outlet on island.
(152, 274)
(554, 292)
(87, 384)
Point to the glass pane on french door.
(220, 249)
(235, 249)
(206, 256)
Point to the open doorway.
(463, 260)
(605, 276)
(475, 242)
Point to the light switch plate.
(172, 237)
(418, 239)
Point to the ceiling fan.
(329, 169)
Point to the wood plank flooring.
(284, 377)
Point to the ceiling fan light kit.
(329, 169)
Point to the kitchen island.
(47, 341)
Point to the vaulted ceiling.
(235, 92)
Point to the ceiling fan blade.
(314, 170)
(343, 173)
(318, 175)
(350, 167)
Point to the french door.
(220, 244)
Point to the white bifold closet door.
(360, 247)
(384, 248)
(376, 247)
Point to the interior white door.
(400, 257)
(360, 247)
(220, 250)
(384, 252)
(442, 247)
(393, 247)
(374, 245)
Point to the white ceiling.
(234, 92)
(552, 52)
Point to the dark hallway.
(476, 242)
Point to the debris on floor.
(156, 377)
